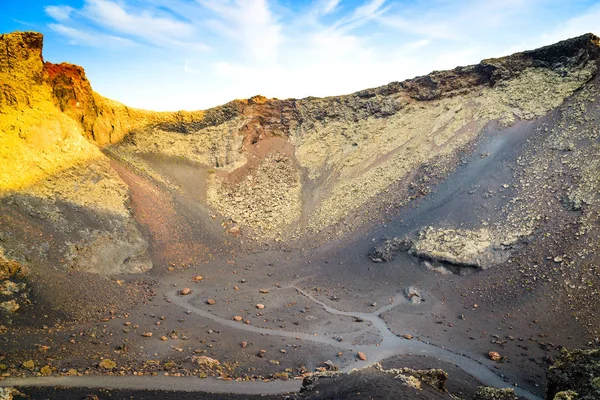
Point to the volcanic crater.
(425, 239)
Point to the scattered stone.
(264, 291)
(107, 364)
(9, 288)
(29, 364)
(211, 302)
(9, 393)
(10, 268)
(10, 306)
(494, 356)
(198, 278)
(204, 361)
(185, 291)
(46, 370)
(361, 356)
(413, 294)
(260, 306)
(164, 338)
(331, 366)
(262, 353)
(284, 376)
(147, 334)
(388, 248)
(244, 345)
(407, 336)
(488, 393)
(237, 318)
(461, 247)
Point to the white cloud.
(328, 6)
(142, 24)
(59, 13)
(251, 24)
(369, 9)
(206, 52)
(362, 15)
(94, 39)
(462, 20)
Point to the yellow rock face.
(36, 138)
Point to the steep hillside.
(341, 156)
(63, 208)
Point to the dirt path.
(185, 384)
(389, 346)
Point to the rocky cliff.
(63, 209)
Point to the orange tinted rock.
(494, 356)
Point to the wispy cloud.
(143, 23)
(59, 13)
(118, 20)
(327, 6)
(362, 15)
(204, 52)
(251, 24)
(455, 20)
(78, 37)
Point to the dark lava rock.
(388, 248)
(374, 383)
(576, 371)
(487, 393)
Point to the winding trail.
(389, 346)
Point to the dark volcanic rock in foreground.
(375, 383)
(575, 375)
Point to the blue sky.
(195, 54)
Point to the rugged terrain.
(448, 222)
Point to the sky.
(196, 54)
